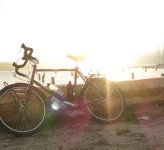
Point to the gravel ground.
(140, 129)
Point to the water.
(64, 77)
(61, 78)
(136, 73)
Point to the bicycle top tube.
(47, 70)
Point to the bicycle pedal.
(74, 113)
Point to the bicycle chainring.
(73, 112)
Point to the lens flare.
(55, 106)
(55, 103)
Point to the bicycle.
(23, 106)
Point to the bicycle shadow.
(80, 120)
(3, 133)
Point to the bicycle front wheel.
(21, 113)
(104, 100)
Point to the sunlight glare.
(108, 63)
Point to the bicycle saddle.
(76, 58)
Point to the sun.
(108, 63)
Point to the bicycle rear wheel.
(104, 100)
(20, 113)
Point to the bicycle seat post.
(76, 59)
(75, 80)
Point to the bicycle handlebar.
(26, 49)
(27, 56)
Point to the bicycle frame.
(77, 73)
(75, 70)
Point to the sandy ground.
(141, 129)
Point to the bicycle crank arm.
(70, 104)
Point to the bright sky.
(109, 31)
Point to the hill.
(5, 66)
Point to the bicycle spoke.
(104, 101)
(21, 114)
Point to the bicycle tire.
(104, 100)
(19, 117)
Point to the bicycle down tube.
(77, 72)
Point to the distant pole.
(43, 78)
(39, 77)
(53, 80)
(163, 56)
(132, 75)
(44, 74)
